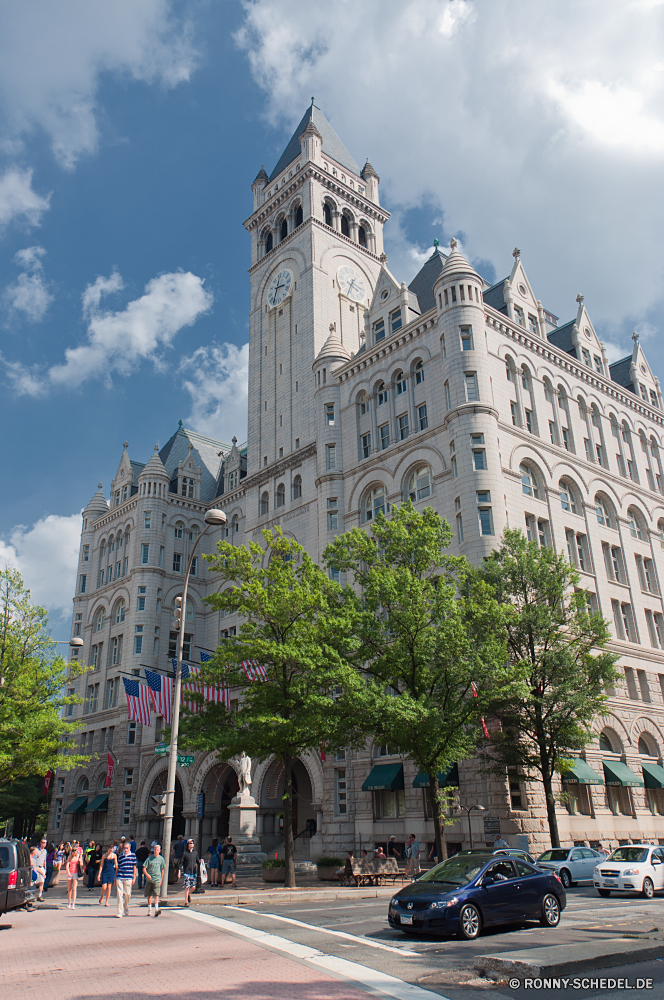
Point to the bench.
(373, 871)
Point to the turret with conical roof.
(257, 187)
(372, 180)
(98, 505)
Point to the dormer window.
(116, 498)
(125, 492)
(232, 479)
(188, 487)
(395, 320)
(379, 330)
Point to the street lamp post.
(213, 518)
(468, 810)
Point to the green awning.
(653, 774)
(78, 805)
(384, 777)
(446, 779)
(580, 773)
(98, 804)
(617, 773)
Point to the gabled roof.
(207, 453)
(331, 143)
(137, 467)
(620, 373)
(423, 282)
(561, 338)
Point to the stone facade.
(362, 392)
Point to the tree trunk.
(289, 843)
(438, 817)
(551, 812)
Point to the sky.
(130, 133)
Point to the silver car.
(572, 864)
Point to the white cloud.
(218, 388)
(18, 200)
(52, 56)
(118, 341)
(46, 555)
(537, 125)
(29, 294)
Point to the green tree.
(297, 626)
(430, 657)
(558, 645)
(23, 802)
(33, 735)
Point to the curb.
(295, 895)
(564, 959)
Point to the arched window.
(102, 551)
(265, 503)
(509, 369)
(602, 511)
(100, 620)
(297, 487)
(400, 380)
(235, 525)
(645, 749)
(281, 495)
(345, 228)
(567, 497)
(111, 544)
(375, 503)
(548, 390)
(362, 236)
(189, 614)
(529, 482)
(362, 403)
(299, 216)
(635, 524)
(179, 529)
(119, 611)
(381, 394)
(525, 377)
(419, 372)
(327, 214)
(419, 484)
(660, 530)
(269, 242)
(605, 742)
(83, 785)
(194, 533)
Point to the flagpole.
(213, 518)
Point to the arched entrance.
(304, 815)
(220, 786)
(156, 828)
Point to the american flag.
(254, 670)
(161, 692)
(220, 695)
(138, 701)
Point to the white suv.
(632, 868)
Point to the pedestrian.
(74, 866)
(154, 867)
(50, 861)
(213, 851)
(126, 878)
(57, 864)
(380, 854)
(433, 853)
(38, 871)
(177, 849)
(108, 871)
(499, 842)
(392, 850)
(132, 841)
(120, 844)
(141, 854)
(190, 862)
(348, 868)
(95, 854)
(228, 857)
(413, 855)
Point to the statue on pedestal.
(245, 774)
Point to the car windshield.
(634, 854)
(457, 870)
(553, 856)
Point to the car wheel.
(604, 892)
(648, 889)
(550, 911)
(565, 878)
(470, 922)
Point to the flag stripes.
(138, 701)
(161, 692)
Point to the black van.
(16, 888)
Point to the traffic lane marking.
(370, 980)
(328, 930)
(326, 909)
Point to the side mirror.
(488, 880)
(656, 861)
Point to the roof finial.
(179, 423)
(98, 486)
(436, 244)
(635, 337)
(312, 102)
(156, 447)
(453, 243)
(125, 444)
(516, 253)
(580, 298)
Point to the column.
(371, 399)
(336, 220)
(412, 424)
(352, 228)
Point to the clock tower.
(316, 253)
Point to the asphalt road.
(358, 931)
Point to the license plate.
(406, 918)
(607, 882)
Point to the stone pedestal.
(242, 828)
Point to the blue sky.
(130, 132)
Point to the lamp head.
(215, 517)
(76, 641)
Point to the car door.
(657, 862)
(531, 888)
(590, 861)
(576, 865)
(501, 900)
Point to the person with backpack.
(142, 854)
(228, 857)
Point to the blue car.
(471, 891)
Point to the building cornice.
(273, 471)
(368, 358)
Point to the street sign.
(185, 759)
(201, 805)
(162, 748)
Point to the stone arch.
(642, 726)
(218, 779)
(371, 477)
(613, 725)
(308, 784)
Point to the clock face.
(351, 284)
(280, 287)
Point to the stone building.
(364, 391)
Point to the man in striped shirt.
(126, 878)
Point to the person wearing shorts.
(228, 855)
(153, 869)
(190, 862)
(74, 866)
(213, 851)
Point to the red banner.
(47, 782)
(110, 764)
